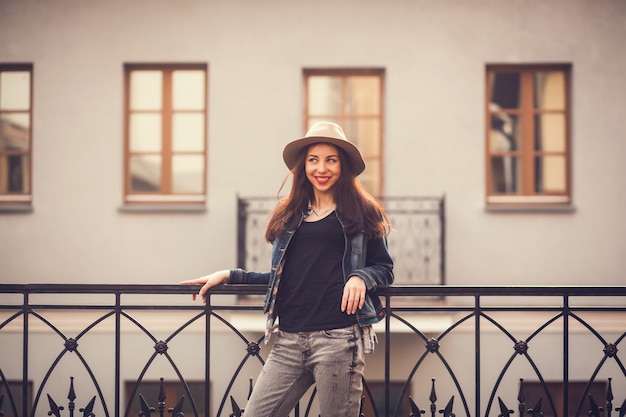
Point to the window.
(577, 397)
(354, 99)
(528, 138)
(377, 389)
(173, 392)
(15, 134)
(166, 108)
(12, 397)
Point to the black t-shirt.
(311, 286)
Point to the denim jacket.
(369, 260)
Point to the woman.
(329, 256)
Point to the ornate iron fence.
(416, 243)
(452, 350)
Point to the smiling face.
(322, 167)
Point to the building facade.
(130, 129)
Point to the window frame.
(344, 118)
(527, 197)
(21, 200)
(165, 196)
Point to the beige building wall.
(434, 54)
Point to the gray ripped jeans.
(331, 359)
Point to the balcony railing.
(452, 350)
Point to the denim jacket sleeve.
(240, 276)
(378, 269)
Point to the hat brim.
(293, 149)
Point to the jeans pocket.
(343, 333)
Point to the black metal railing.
(416, 243)
(464, 351)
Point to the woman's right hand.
(208, 281)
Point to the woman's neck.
(323, 201)
(321, 205)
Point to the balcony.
(108, 350)
(416, 244)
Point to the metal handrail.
(567, 314)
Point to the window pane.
(15, 90)
(15, 132)
(550, 175)
(197, 390)
(146, 90)
(324, 95)
(14, 174)
(363, 95)
(365, 133)
(12, 392)
(188, 90)
(145, 173)
(506, 176)
(550, 132)
(505, 90)
(549, 90)
(145, 132)
(188, 132)
(188, 172)
(505, 134)
(173, 391)
(313, 120)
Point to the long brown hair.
(358, 208)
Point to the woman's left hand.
(353, 294)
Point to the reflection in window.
(145, 173)
(549, 90)
(527, 138)
(15, 133)
(166, 133)
(504, 139)
(505, 92)
(352, 98)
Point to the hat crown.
(326, 130)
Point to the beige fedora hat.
(324, 132)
